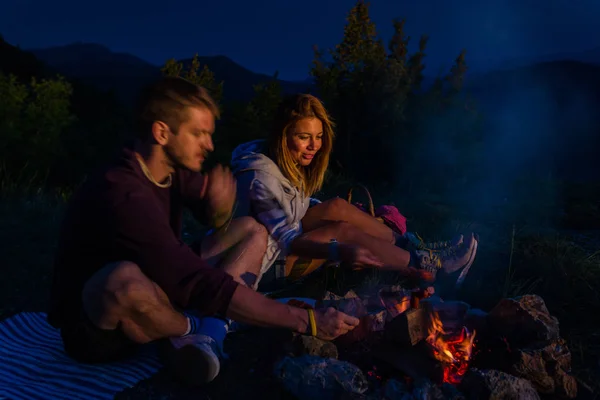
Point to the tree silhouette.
(378, 99)
(200, 76)
(33, 118)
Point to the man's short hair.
(167, 100)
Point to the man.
(122, 273)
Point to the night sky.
(279, 34)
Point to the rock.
(396, 390)
(496, 385)
(376, 320)
(372, 322)
(451, 313)
(451, 392)
(354, 307)
(310, 378)
(566, 385)
(476, 320)
(531, 366)
(424, 389)
(332, 298)
(312, 346)
(350, 304)
(523, 321)
(547, 367)
(393, 298)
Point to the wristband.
(220, 218)
(334, 250)
(312, 322)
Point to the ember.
(453, 350)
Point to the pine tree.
(203, 77)
(457, 73)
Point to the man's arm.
(255, 309)
(141, 228)
(196, 196)
(190, 283)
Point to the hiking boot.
(192, 359)
(450, 259)
(416, 243)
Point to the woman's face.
(305, 139)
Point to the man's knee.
(118, 287)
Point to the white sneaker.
(193, 359)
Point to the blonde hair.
(291, 110)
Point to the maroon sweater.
(120, 215)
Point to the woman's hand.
(359, 257)
(332, 323)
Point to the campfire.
(410, 342)
(453, 350)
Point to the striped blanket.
(33, 365)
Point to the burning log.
(408, 328)
(412, 361)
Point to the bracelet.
(312, 322)
(334, 250)
(227, 221)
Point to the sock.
(194, 324)
(401, 241)
(214, 327)
(414, 260)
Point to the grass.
(515, 257)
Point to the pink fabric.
(390, 215)
(392, 218)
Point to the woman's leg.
(239, 249)
(393, 257)
(338, 209)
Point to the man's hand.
(220, 194)
(332, 323)
(359, 257)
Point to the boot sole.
(465, 271)
(191, 366)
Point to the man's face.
(189, 146)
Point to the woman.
(276, 179)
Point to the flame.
(452, 350)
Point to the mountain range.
(125, 73)
(547, 105)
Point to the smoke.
(539, 132)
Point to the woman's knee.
(341, 230)
(251, 227)
(335, 209)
